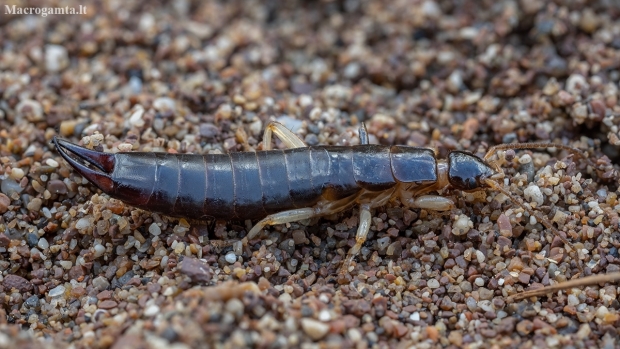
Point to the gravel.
(80, 269)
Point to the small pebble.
(4, 203)
(154, 229)
(17, 174)
(314, 329)
(56, 58)
(43, 244)
(57, 291)
(533, 194)
(32, 239)
(231, 257)
(462, 225)
(432, 283)
(35, 205)
(51, 162)
(151, 311)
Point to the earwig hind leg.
(281, 218)
(360, 237)
(287, 137)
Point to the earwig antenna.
(495, 148)
(495, 185)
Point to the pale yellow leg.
(298, 214)
(287, 137)
(281, 218)
(434, 203)
(360, 236)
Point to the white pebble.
(479, 282)
(99, 250)
(415, 316)
(533, 194)
(480, 256)
(462, 225)
(324, 315)
(125, 147)
(432, 283)
(314, 329)
(573, 300)
(154, 229)
(136, 117)
(56, 58)
(601, 312)
(576, 83)
(51, 162)
(151, 310)
(17, 173)
(82, 224)
(66, 264)
(57, 291)
(230, 257)
(354, 334)
(525, 159)
(43, 244)
(30, 109)
(164, 104)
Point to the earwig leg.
(434, 203)
(287, 137)
(363, 135)
(360, 236)
(281, 218)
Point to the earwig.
(297, 183)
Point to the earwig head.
(467, 171)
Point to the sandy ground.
(80, 269)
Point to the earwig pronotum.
(313, 181)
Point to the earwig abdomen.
(249, 185)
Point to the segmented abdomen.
(248, 185)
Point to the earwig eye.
(467, 172)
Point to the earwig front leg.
(281, 218)
(427, 202)
(434, 203)
(360, 236)
(287, 137)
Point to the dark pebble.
(509, 138)
(208, 131)
(5, 201)
(32, 239)
(614, 252)
(57, 187)
(311, 139)
(507, 325)
(17, 282)
(126, 277)
(76, 272)
(170, 334)
(4, 240)
(196, 270)
(32, 301)
(108, 304)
